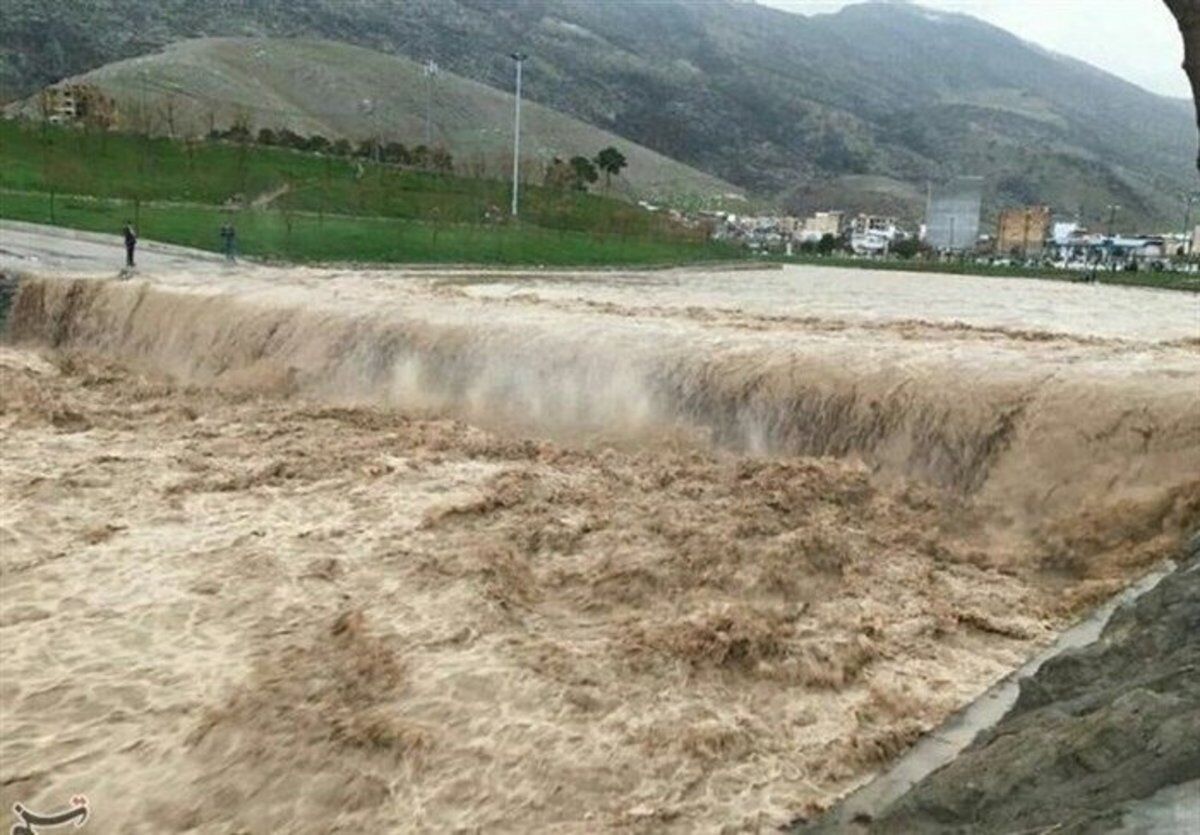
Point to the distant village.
(1027, 236)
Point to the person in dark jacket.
(229, 238)
(130, 243)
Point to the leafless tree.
(169, 114)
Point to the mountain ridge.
(776, 102)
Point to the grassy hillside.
(765, 99)
(310, 207)
(342, 91)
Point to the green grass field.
(332, 209)
(306, 237)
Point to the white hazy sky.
(1135, 39)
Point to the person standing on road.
(229, 239)
(130, 243)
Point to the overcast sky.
(1135, 39)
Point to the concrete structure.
(1023, 232)
(757, 233)
(70, 103)
(952, 218)
(1137, 248)
(1062, 232)
(818, 225)
(862, 224)
(1178, 245)
(1114, 251)
(873, 234)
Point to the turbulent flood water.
(1039, 395)
(663, 550)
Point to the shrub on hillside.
(584, 171)
(290, 139)
(395, 153)
(317, 144)
(440, 160)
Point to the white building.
(873, 234)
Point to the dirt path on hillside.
(265, 199)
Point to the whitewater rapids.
(450, 549)
(1035, 397)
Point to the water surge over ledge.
(1029, 432)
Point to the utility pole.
(928, 206)
(519, 57)
(431, 70)
(1112, 217)
(1188, 200)
(145, 101)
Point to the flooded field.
(341, 550)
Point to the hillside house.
(66, 104)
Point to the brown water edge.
(1100, 738)
(941, 746)
(427, 625)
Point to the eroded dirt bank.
(257, 577)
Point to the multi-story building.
(1023, 231)
(873, 234)
(818, 225)
(71, 103)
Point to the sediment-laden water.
(648, 551)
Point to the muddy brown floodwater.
(344, 551)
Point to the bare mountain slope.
(765, 99)
(338, 90)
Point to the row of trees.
(395, 153)
(905, 248)
(579, 172)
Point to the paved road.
(30, 246)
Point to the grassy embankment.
(330, 209)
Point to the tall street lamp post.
(519, 57)
(1112, 217)
(431, 71)
(1188, 201)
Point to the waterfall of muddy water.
(1037, 410)
(446, 550)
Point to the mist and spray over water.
(1038, 433)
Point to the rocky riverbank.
(1101, 739)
